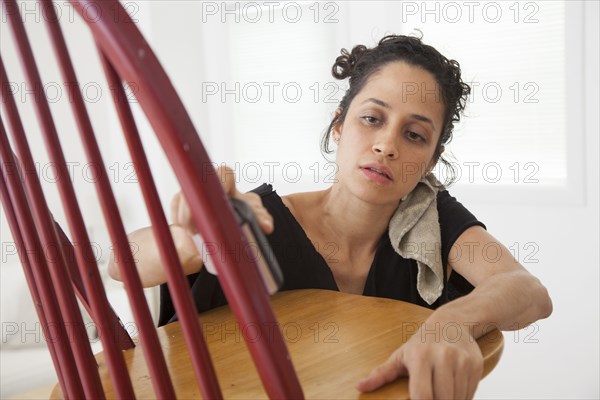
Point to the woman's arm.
(506, 297)
(147, 257)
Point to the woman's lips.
(380, 170)
(376, 175)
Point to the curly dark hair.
(363, 62)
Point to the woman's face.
(388, 138)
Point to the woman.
(389, 130)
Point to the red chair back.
(54, 282)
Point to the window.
(270, 95)
(516, 57)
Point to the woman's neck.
(349, 220)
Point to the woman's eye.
(370, 119)
(415, 137)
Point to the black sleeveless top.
(390, 276)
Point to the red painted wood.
(91, 278)
(39, 277)
(178, 284)
(115, 327)
(148, 337)
(132, 58)
(15, 230)
(88, 374)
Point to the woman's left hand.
(438, 367)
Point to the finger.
(387, 372)
(474, 378)
(265, 220)
(181, 213)
(472, 387)
(227, 177)
(175, 207)
(251, 198)
(443, 381)
(420, 385)
(462, 376)
(262, 215)
(461, 386)
(178, 207)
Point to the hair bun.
(344, 65)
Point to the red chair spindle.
(184, 304)
(148, 335)
(39, 277)
(15, 230)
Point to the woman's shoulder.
(454, 218)
(265, 189)
(269, 196)
(273, 202)
(298, 205)
(450, 208)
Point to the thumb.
(387, 372)
(181, 214)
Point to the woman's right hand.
(148, 261)
(182, 216)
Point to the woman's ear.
(336, 130)
(434, 161)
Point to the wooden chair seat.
(331, 347)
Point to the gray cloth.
(414, 232)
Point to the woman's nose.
(385, 146)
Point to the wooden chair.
(301, 343)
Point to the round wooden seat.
(334, 338)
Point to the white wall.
(555, 358)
